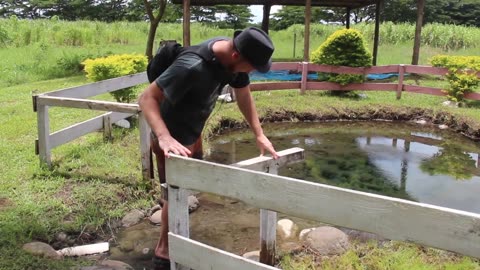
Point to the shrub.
(345, 47)
(115, 66)
(461, 74)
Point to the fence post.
(43, 126)
(303, 84)
(178, 220)
(401, 72)
(268, 228)
(107, 127)
(145, 147)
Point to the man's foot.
(160, 263)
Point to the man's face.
(240, 64)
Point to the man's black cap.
(256, 46)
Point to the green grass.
(391, 256)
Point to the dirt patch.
(378, 113)
(5, 203)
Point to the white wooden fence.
(74, 97)
(392, 218)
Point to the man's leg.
(161, 250)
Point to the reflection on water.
(399, 160)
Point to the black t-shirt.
(191, 86)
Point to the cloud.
(257, 11)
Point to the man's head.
(252, 49)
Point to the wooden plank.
(352, 86)
(423, 90)
(268, 229)
(286, 66)
(392, 218)
(178, 220)
(88, 104)
(474, 96)
(43, 127)
(77, 130)
(107, 128)
(305, 69)
(145, 146)
(336, 69)
(401, 72)
(274, 86)
(427, 70)
(203, 257)
(264, 163)
(381, 69)
(97, 88)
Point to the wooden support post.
(266, 17)
(178, 220)
(394, 142)
(369, 140)
(418, 32)
(268, 228)
(377, 32)
(303, 84)
(407, 146)
(306, 45)
(401, 72)
(145, 147)
(107, 128)
(43, 125)
(349, 9)
(186, 22)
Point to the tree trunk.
(151, 39)
(418, 31)
(266, 17)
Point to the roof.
(319, 3)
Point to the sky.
(257, 11)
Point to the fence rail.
(392, 218)
(74, 97)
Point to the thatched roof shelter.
(267, 4)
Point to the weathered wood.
(274, 86)
(264, 163)
(352, 86)
(423, 90)
(305, 69)
(377, 32)
(268, 229)
(203, 257)
(392, 218)
(88, 104)
(426, 70)
(178, 220)
(401, 72)
(107, 127)
(266, 17)
(186, 22)
(306, 32)
(145, 156)
(43, 126)
(474, 96)
(336, 69)
(97, 88)
(77, 130)
(418, 32)
(286, 66)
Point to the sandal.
(160, 263)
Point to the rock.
(132, 218)
(421, 122)
(304, 233)
(156, 218)
(290, 247)
(442, 126)
(450, 103)
(153, 209)
(286, 228)
(193, 203)
(97, 267)
(116, 265)
(123, 123)
(41, 249)
(252, 255)
(361, 236)
(328, 241)
(61, 237)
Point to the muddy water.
(409, 161)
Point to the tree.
(154, 21)
(236, 17)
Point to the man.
(177, 104)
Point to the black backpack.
(166, 54)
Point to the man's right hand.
(168, 144)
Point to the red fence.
(399, 87)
